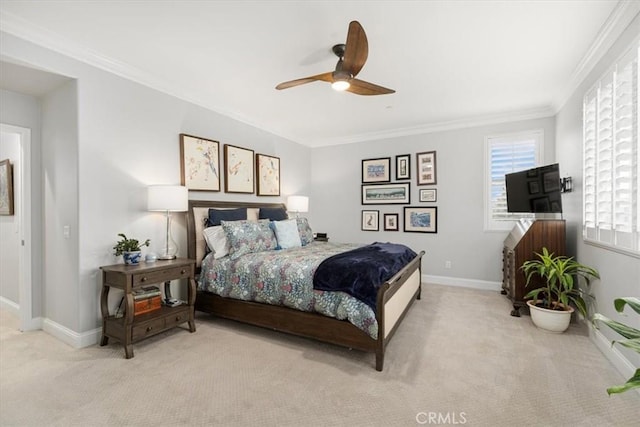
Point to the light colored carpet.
(458, 358)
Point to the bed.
(393, 299)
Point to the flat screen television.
(534, 190)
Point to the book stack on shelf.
(145, 300)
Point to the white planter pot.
(550, 320)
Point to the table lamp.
(298, 204)
(168, 198)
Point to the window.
(505, 154)
(611, 158)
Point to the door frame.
(25, 287)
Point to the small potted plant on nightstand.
(130, 249)
(549, 304)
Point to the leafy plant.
(632, 340)
(128, 245)
(560, 287)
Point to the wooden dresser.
(522, 243)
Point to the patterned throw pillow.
(249, 236)
(306, 234)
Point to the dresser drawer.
(147, 329)
(161, 275)
(180, 316)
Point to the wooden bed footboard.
(393, 301)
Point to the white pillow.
(287, 233)
(217, 241)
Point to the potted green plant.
(632, 340)
(130, 249)
(550, 304)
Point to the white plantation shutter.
(611, 158)
(507, 154)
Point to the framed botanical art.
(370, 220)
(199, 163)
(403, 167)
(376, 170)
(268, 171)
(391, 222)
(426, 172)
(421, 220)
(238, 169)
(428, 195)
(386, 194)
(6, 188)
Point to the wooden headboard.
(199, 210)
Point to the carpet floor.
(458, 358)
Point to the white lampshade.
(173, 198)
(298, 204)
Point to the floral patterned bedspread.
(285, 277)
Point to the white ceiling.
(452, 63)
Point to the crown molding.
(622, 15)
(462, 123)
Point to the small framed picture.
(370, 220)
(428, 195)
(6, 187)
(199, 163)
(426, 173)
(386, 194)
(403, 166)
(391, 222)
(268, 170)
(238, 169)
(421, 220)
(376, 170)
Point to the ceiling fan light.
(340, 85)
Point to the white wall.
(475, 255)
(620, 274)
(24, 111)
(127, 138)
(60, 174)
(9, 225)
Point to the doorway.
(22, 209)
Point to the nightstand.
(129, 328)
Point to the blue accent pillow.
(274, 214)
(216, 216)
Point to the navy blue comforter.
(360, 272)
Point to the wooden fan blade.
(356, 49)
(326, 77)
(360, 87)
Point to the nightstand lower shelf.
(145, 326)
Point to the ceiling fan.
(352, 57)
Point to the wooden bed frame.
(393, 301)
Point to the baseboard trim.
(66, 335)
(483, 285)
(613, 355)
(10, 306)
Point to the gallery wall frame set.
(200, 168)
(421, 219)
(6, 187)
(403, 167)
(376, 170)
(386, 194)
(370, 220)
(391, 222)
(426, 168)
(428, 195)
